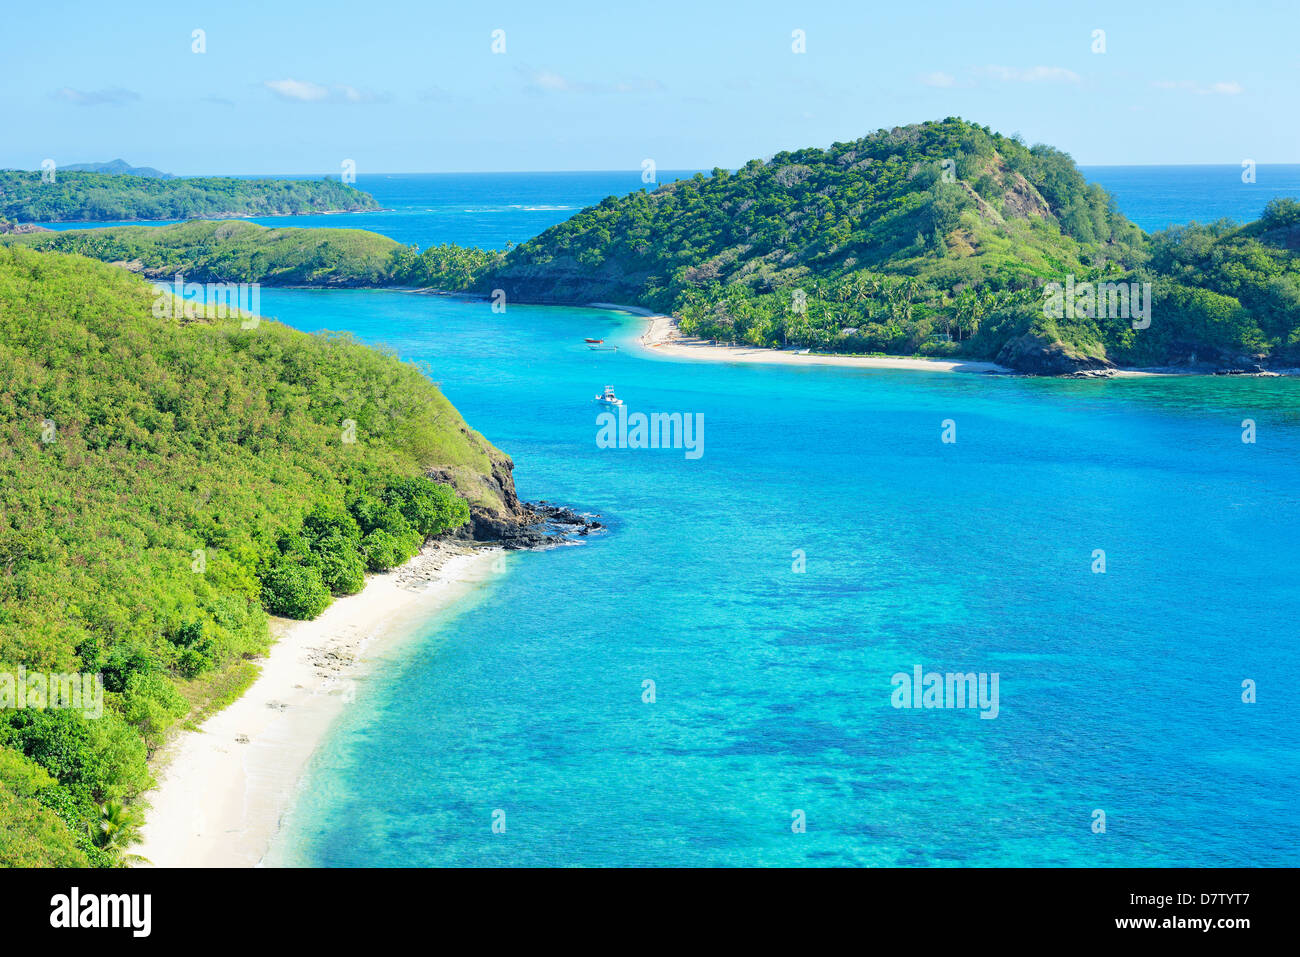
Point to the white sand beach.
(664, 338)
(224, 789)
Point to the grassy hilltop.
(164, 485)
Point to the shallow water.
(1118, 691)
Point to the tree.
(117, 829)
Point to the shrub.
(294, 591)
(384, 550)
(428, 507)
(197, 652)
(124, 661)
(152, 704)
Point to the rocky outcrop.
(21, 229)
(1036, 355)
(515, 524)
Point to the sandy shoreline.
(224, 789)
(662, 337)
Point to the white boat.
(609, 398)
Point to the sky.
(295, 87)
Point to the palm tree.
(117, 828)
(964, 310)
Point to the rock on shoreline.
(518, 524)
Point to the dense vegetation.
(933, 239)
(164, 485)
(97, 197)
(235, 251)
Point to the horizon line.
(628, 170)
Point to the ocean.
(493, 209)
(771, 589)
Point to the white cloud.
(548, 81)
(553, 82)
(1222, 88)
(939, 79)
(298, 90)
(1035, 74)
(304, 91)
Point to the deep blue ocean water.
(472, 209)
(492, 209)
(1118, 691)
(1156, 197)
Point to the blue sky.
(295, 87)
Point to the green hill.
(25, 197)
(935, 239)
(945, 203)
(164, 484)
(236, 251)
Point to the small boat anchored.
(608, 397)
(598, 345)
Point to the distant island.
(26, 197)
(942, 239)
(117, 167)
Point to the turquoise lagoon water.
(1118, 691)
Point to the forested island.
(165, 485)
(26, 197)
(935, 239)
(940, 239)
(118, 167)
